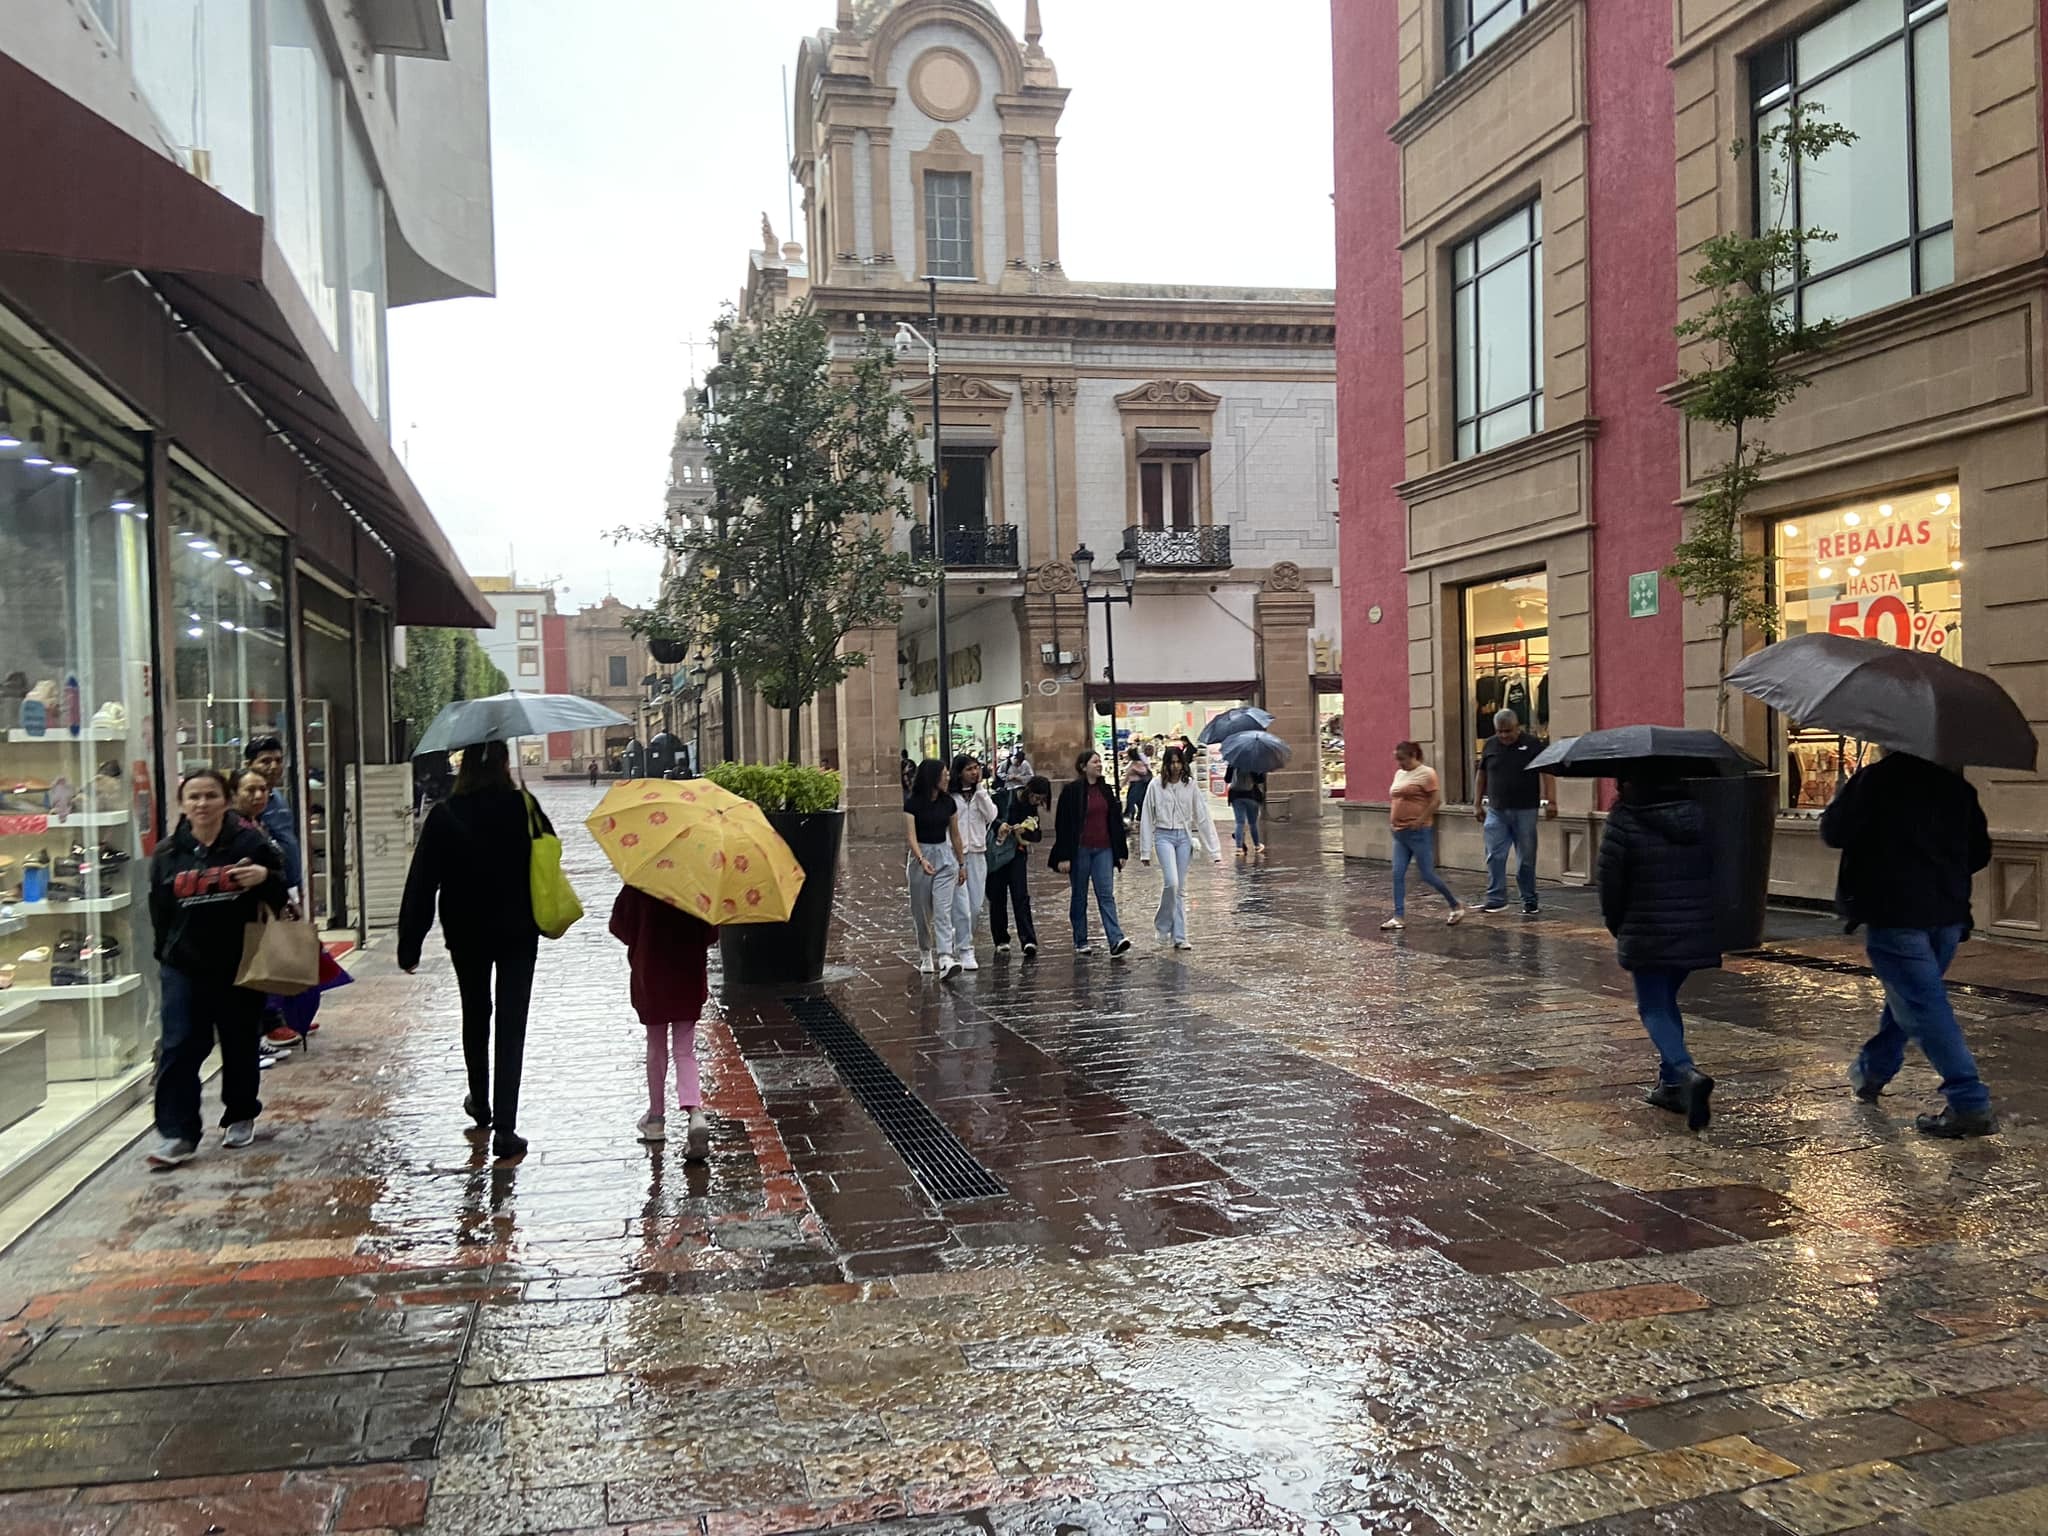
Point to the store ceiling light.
(1955, 565)
(1853, 519)
(1944, 499)
(209, 554)
(1886, 509)
(66, 461)
(1858, 562)
(266, 586)
(36, 458)
(9, 438)
(195, 632)
(227, 624)
(1825, 572)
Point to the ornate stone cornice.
(1174, 393)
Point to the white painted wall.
(1178, 637)
(993, 627)
(501, 642)
(911, 132)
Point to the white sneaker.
(697, 1144)
(1392, 925)
(948, 968)
(1457, 916)
(1002, 949)
(171, 1153)
(1084, 949)
(241, 1134)
(1182, 944)
(653, 1128)
(926, 964)
(967, 961)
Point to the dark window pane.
(1183, 493)
(1151, 494)
(964, 491)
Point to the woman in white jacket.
(1176, 817)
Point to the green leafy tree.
(812, 462)
(1753, 335)
(441, 666)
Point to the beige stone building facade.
(1548, 173)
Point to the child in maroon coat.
(666, 951)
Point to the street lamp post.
(1127, 575)
(908, 335)
(700, 673)
(721, 502)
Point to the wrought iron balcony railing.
(993, 548)
(1183, 549)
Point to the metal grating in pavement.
(942, 1164)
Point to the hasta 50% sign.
(1874, 609)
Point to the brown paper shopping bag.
(280, 955)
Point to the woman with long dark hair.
(1175, 821)
(1089, 845)
(208, 880)
(1009, 886)
(935, 870)
(473, 857)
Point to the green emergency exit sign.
(1642, 595)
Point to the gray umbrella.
(1233, 722)
(1255, 751)
(1905, 701)
(1626, 751)
(508, 716)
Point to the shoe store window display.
(206, 884)
(76, 782)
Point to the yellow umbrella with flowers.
(698, 848)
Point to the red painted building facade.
(1524, 188)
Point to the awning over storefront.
(107, 202)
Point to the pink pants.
(683, 1037)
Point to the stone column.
(1056, 724)
(1013, 202)
(1049, 201)
(878, 194)
(1284, 614)
(824, 264)
(870, 731)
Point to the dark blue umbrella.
(1255, 751)
(1627, 751)
(1233, 722)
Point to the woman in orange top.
(1414, 801)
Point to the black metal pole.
(939, 535)
(1109, 672)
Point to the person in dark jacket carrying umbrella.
(1911, 835)
(1657, 898)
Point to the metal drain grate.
(942, 1164)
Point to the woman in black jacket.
(473, 854)
(206, 883)
(1657, 897)
(1089, 845)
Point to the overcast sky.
(634, 159)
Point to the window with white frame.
(1497, 332)
(529, 623)
(1880, 69)
(529, 661)
(1169, 490)
(949, 223)
(1473, 26)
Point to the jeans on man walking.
(1505, 830)
(1244, 814)
(1096, 867)
(1657, 1001)
(1174, 848)
(1417, 845)
(935, 897)
(1911, 963)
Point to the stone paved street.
(1314, 1229)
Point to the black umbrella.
(1233, 722)
(1905, 701)
(1630, 751)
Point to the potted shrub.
(802, 804)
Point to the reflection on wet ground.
(1311, 1229)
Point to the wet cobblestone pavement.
(1313, 1229)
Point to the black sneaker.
(1530, 908)
(1954, 1125)
(1860, 1084)
(1492, 907)
(1669, 1097)
(1697, 1091)
(1119, 949)
(1030, 949)
(507, 1146)
(482, 1121)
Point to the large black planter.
(1742, 816)
(668, 652)
(791, 953)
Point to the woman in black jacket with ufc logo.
(206, 883)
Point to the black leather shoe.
(1697, 1091)
(1952, 1125)
(506, 1145)
(482, 1121)
(1669, 1097)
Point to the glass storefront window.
(1157, 724)
(77, 777)
(1889, 569)
(363, 238)
(227, 599)
(1330, 742)
(195, 63)
(1507, 654)
(305, 216)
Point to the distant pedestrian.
(1009, 885)
(979, 821)
(252, 795)
(1174, 821)
(473, 861)
(1911, 835)
(907, 769)
(665, 952)
(1089, 845)
(1247, 795)
(1137, 783)
(207, 881)
(1413, 801)
(1511, 798)
(593, 773)
(1018, 772)
(1657, 898)
(266, 756)
(935, 870)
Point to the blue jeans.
(1657, 1001)
(1173, 849)
(194, 1011)
(1245, 813)
(1911, 963)
(1096, 866)
(1419, 845)
(1505, 830)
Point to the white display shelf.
(113, 903)
(76, 822)
(12, 924)
(120, 986)
(13, 1005)
(61, 735)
